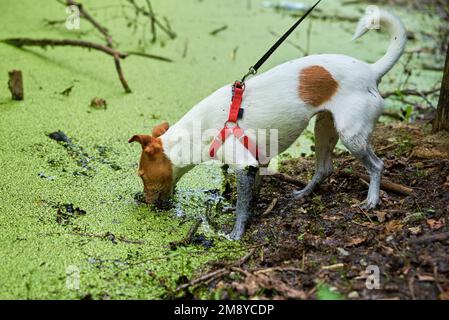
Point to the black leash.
(253, 70)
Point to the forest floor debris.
(321, 247)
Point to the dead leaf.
(98, 103)
(388, 250)
(255, 282)
(355, 241)
(425, 258)
(415, 230)
(393, 226)
(435, 224)
(381, 216)
(427, 153)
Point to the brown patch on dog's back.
(316, 85)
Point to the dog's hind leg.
(326, 138)
(246, 181)
(355, 128)
(374, 166)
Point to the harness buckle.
(232, 126)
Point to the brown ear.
(143, 139)
(160, 129)
(150, 145)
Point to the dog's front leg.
(246, 180)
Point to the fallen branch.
(286, 178)
(216, 273)
(270, 207)
(84, 14)
(147, 55)
(431, 238)
(104, 31)
(246, 257)
(24, 42)
(387, 185)
(203, 278)
(154, 21)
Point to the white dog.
(340, 90)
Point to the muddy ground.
(320, 248)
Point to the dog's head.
(155, 167)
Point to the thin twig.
(153, 19)
(366, 214)
(278, 269)
(218, 30)
(84, 14)
(309, 34)
(105, 32)
(410, 92)
(186, 48)
(203, 278)
(304, 52)
(246, 257)
(286, 178)
(411, 287)
(54, 22)
(270, 207)
(150, 56)
(216, 273)
(189, 237)
(437, 282)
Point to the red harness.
(235, 110)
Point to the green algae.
(136, 261)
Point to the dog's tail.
(375, 19)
